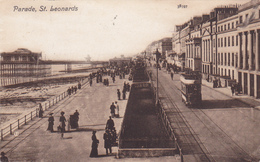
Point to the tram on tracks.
(191, 89)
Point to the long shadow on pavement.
(218, 104)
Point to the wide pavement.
(34, 143)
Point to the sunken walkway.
(143, 133)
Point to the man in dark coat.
(118, 94)
(110, 123)
(112, 109)
(107, 141)
(95, 142)
(124, 93)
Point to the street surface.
(34, 143)
(225, 127)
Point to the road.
(225, 128)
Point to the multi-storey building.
(225, 61)
(24, 63)
(193, 49)
(248, 48)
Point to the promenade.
(34, 143)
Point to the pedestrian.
(172, 75)
(62, 123)
(112, 109)
(232, 89)
(75, 89)
(110, 123)
(76, 116)
(117, 109)
(51, 122)
(113, 78)
(124, 93)
(90, 81)
(118, 94)
(69, 91)
(40, 111)
(79, 85)
(3, 157)
(128, 87)
(107, 141)
(94, 146)
(107, 82)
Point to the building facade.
(248, 44)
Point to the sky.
(102, 29)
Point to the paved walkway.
(34, 143)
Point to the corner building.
(248, 56)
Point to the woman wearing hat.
(51, 122)
(62, 123)
(95, 141)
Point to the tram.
(191, 89)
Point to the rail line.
(200, 114)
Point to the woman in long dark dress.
(40, 111)
(95, 141)
(51, 122)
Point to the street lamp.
(158, 55)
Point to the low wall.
(147, 152)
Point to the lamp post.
(158, 55)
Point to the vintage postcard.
(129, 80)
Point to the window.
(225, 42)
(225, 27)
(246, 17)
(24, 58)
(213, 29)
(237, 40)
(228, 26)
(221, 42)
(233, 41)
(221, 58)
(218, 42)
(240, 19)
(218, 29)
(259, 14)
(228, 59)
(232, 25)
(221, 28)
(214, 45)
(232, 62)
(218, 58)
(16, 58)
(225, 59)
(228, 41)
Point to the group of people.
(236, 88)
(72, 89)
(114, 110)
(109, 138)
(217, 83)
(73, 122)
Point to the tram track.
(212, 127)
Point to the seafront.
(34, 143)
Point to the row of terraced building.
(223, 44)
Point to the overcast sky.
(102, 29)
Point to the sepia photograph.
(130, 80)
